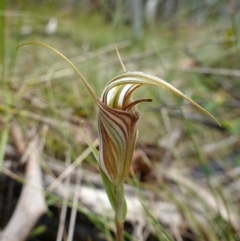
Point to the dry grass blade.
(71, 167)
(2, 34)
(216, 205)
(12, 175)
(74, 207)
(17, 138)
(120, 59)
(206, 70)
(63, 214)
(31, 204)
(95, 199)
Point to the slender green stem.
(116, 197)
(120, 212)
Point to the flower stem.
(119, 230)
(120, 211)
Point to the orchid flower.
(117, 119)
(117, 130)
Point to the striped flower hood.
(117, 119)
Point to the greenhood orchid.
(117, 119)
(117, 129)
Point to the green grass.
(2, 35)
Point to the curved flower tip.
(117, 118)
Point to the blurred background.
(185, 167)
